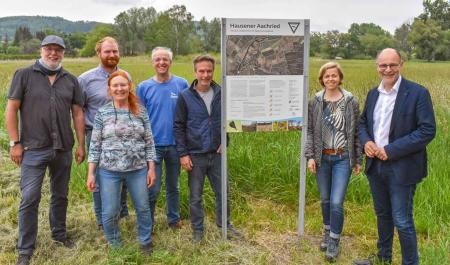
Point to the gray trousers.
(32, 171)
(208, 165)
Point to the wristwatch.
(13, 143)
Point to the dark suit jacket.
(413, 126)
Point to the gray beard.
(41, 61)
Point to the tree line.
(27, 43)
(139, 30)
(425, 37)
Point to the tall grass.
(263, 173)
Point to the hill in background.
(8, 25)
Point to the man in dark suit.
(396, 125)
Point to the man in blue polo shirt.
(94, 86)
(159, 95)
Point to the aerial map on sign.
(264, 55)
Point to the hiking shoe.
(232, 233)
(66, 242)
(326, 238)
(197, 236)
(23, 260)
(332, 250)
(175, 226)
(147, 249)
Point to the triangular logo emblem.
(294, 26)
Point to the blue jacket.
(413, 126)
(197, 132)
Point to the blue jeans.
(205, 165)
(393, 205)
(32, 171)
(171, 159)
(332, 179)
(96, 194)
(110, 188)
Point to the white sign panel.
(264, 73)
(264, 98)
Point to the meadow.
(263, 174)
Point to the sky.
(324, 14)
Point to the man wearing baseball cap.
(48, 98)
(52, 39)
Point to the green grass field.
(263, 172)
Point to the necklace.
(123, 130)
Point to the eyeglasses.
(393, 66)
(161, 59)
(117, 85)
(50, 50)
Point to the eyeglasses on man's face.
(50, 49)
(393, 66)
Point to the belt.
(333, 151)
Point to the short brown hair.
(330, 65)
(98, 45)
(203, 58)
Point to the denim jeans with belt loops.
(332, 178)
(110, 188)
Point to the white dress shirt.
(382, 114)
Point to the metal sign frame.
(302, 173)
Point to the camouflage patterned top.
(120, 140)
